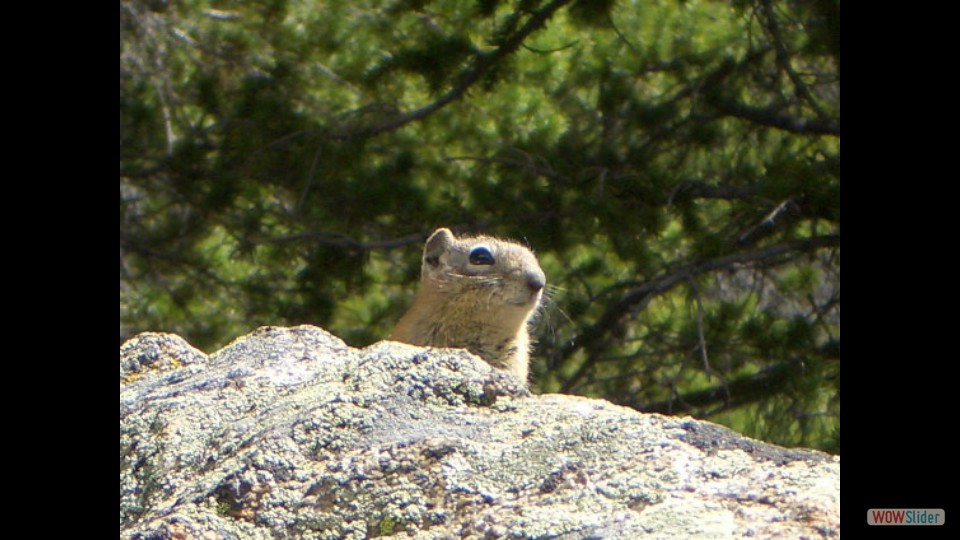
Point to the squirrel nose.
(535, 280)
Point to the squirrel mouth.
(533, 298)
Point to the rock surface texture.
(289, 433)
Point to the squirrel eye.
(481, 256)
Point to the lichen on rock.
(290, 433)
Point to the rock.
(289, 433)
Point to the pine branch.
(776, 119)
(483, 64)
(732, 395)
(736, 393)
(639, 296)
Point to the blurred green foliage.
(675, 164)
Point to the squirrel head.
(506, 269)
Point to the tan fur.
(484, 308)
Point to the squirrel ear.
(437, 244)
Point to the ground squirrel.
(476, 293)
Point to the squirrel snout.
(535, 280)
